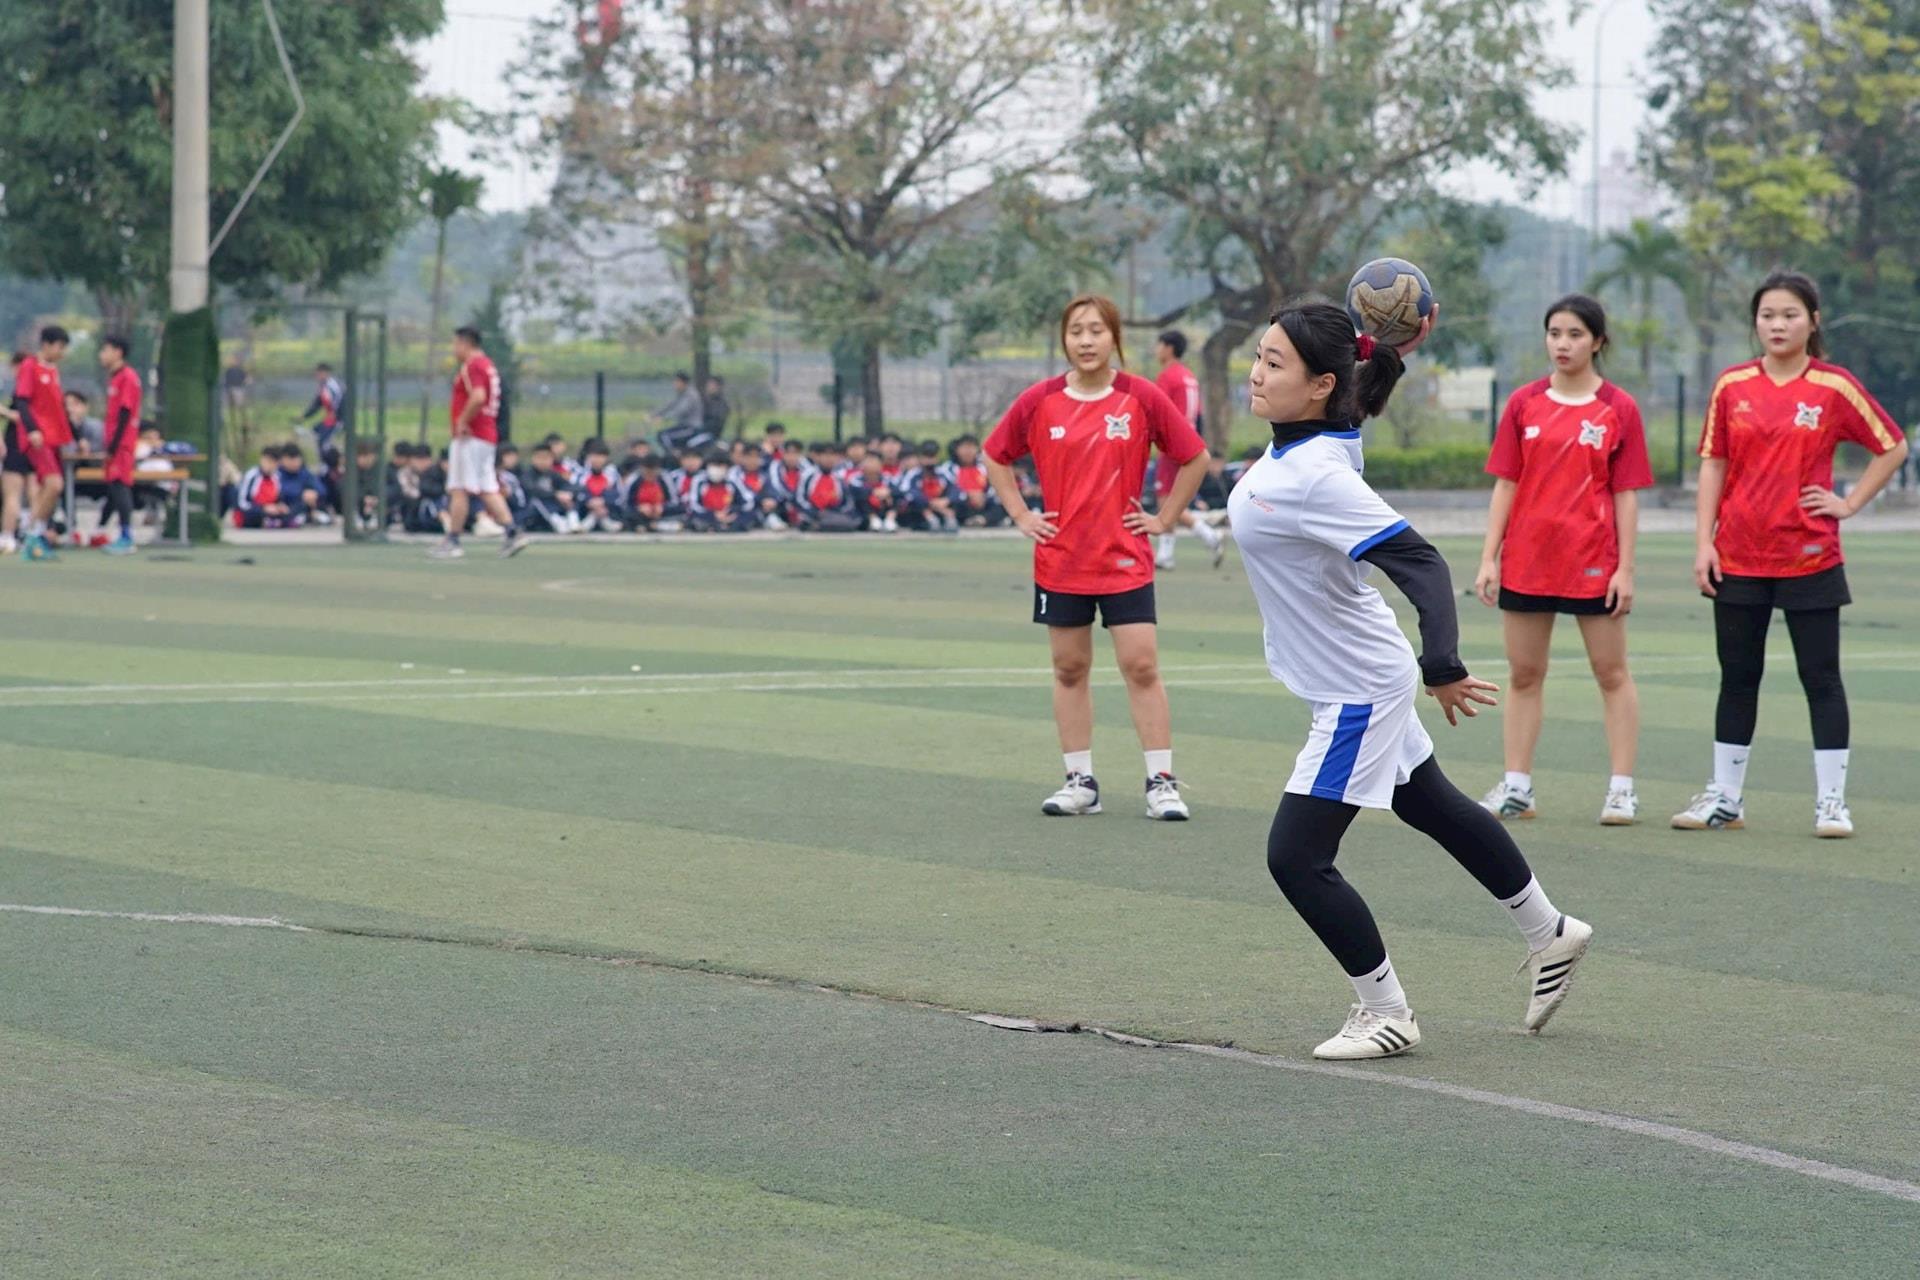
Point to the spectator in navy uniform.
(681, 478)
(549, 495)
(650, 499)
(513, 489)
(787, 477)
(773, 441)
(715, 504)
(258, 505)
(876, 498)
(827, 504)
(974, 500)
(596, 494)
(302, 490)
(926, 497)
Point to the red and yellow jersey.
(1778, 438)
(1567, 459)
(1090, 454)
(478, 377)
(38, 383)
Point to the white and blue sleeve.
(1343, 512)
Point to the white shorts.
(470, 466)
(1357, 753)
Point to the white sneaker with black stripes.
(1163, 799)
(1079, 796)
(1370, 1035)
(1550, 970)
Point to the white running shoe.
(1550, 970)
(1622, 809)
(1163, 561)
(1506, 801)
(8, 544)
(1079, 797)
(1711, 810)
(515, 543)
(1215, 540)
(775, 523)
(1831, 819)
(445, 550)
(1163, 799)
(1370, 1035)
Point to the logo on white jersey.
(1593, 433)
(1056, 433)
(1119, 427)
(1807, 415)
(1531, 433)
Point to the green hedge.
(1462, 466)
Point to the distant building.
(1626, 193)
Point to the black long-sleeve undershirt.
(120, 429)
(1420, 572)
(24, 408)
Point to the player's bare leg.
(1136, 648)
(1528, 637)
(448, 548)
(1606, 640)
(46, 499)
(12, 490)
(1072, 650)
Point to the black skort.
(1066, 609)
(1826, 589)
(1518, 602)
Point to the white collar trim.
(1089, 397)
(1572, 401)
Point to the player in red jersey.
(1768, 537)
(36, 437)
(1569, 453)
(471, 472)
(1090, 433)
(123, 435)
(1181, 387)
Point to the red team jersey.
(1567, 461)
(123, 392)
(1178, 384)
(38, 383)
(478, 377)
(1777, 439)
(1091, 458)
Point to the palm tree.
(1644, 255)
(446, 193)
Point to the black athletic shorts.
(1065, 609)
(1826, 589)
(1518, 602)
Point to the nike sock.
(1080, 762)
(1830, 771)
(1520, 781)
(1379, 992)
(1534, 913)
(1159, 762)
(1620, 782)
(1730, 767)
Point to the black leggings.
(1740, 633)
(1305, 839)
(120, 498)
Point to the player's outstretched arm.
(1421, 573)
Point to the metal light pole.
(187, 283)
(1593, 196)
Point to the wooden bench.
(95, 474)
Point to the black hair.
(648, 463)
(323, 367)
(53, 333)
(681, 375)
(538, 446)
(628, 466)
(1176, 340)
(1323, 335)
(1588, 311)
(801, 445)
(270, 451)
(772, 427)
(292, 451)
(367, 444)
(77, 395)
(553, 438)
(819, 448)
(888, 435)
(118, 342)
(717, 457)
(507, 446)
(1801, 286)
(593, 446)
(929, 448)
(953, 445)
(716, 379)
(468, 332)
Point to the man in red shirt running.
(1181, 387)
(470, 454)
(1089, 434)
(36, 437)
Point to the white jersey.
(1302, 518)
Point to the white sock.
(1520, 781)
(1079, 762)
(1380, 992)
(1534, 913)
(1159, 762)
(1620, 782)
(1730, 767)
(1830, 771)
(1164, 545)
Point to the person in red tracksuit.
(1568, 455)
(122, 435)
(1768, 537)
(1089, 433)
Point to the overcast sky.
(470, 56)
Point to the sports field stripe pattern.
(827, 769)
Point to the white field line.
(1858, 1179)
(231, 922)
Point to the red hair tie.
(1364, 344)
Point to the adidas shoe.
(1622, 809)
(1550, 970)
(446, 549)
(1711, 810)
(1831, 819)
(1079, 797)
(1506, 801)
(1163, 799)
(1370, 1035)
(514, 544)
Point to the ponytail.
(1364, 371)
